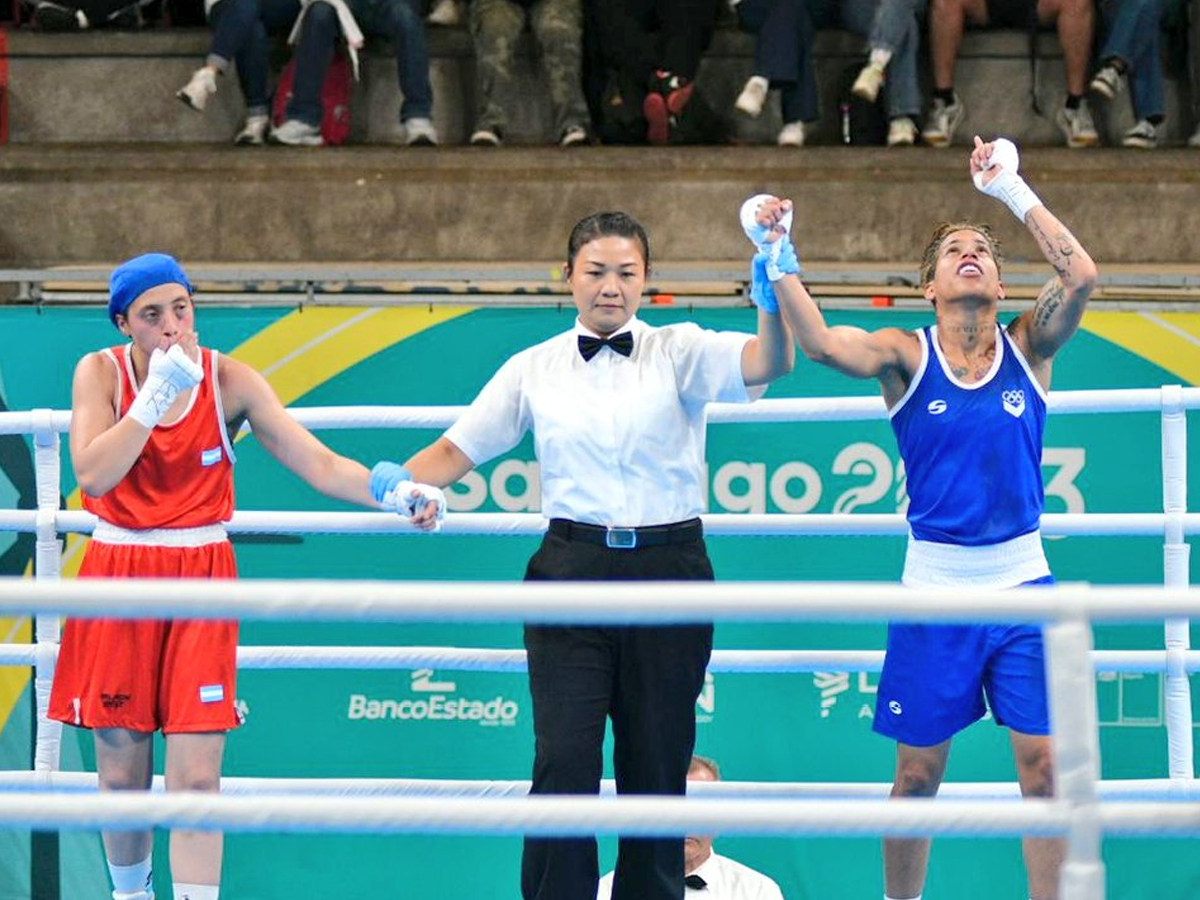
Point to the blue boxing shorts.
(935, 679)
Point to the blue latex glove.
(782, 259)
(385, 476)
(762, 294)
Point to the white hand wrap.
(411, 497)
(1007, 187)
(781, 255)
(170, 372)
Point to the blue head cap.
(134, 277)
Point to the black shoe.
(55, 17)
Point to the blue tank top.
(972, 452)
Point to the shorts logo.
(895, 708)
(212, 693)
(1014, 402)
(113, 701)
(210, 457)
(936, 407)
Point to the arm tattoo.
(1048, 303)
(1058, 249)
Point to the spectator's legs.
(400, 21)
(627, 36)
(1075, 21)
(495, 27)
(314, 51)
(253, 57)
(891, 26)
(687, 27)
(947, 21)
(558, 26)
(1134, 42)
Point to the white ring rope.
(717, 524)
(586, 602)
(790, 409)
(486, 659)
(86, 782)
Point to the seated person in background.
(496, 26)
(646, 53)
(241, 30)
(398, 21)
(708, 874)
(783, 58)
(1074, 20)
(1133, 48)
(78, 15)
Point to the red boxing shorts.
(177, 675)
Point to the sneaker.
(253, 133)
(1143, 135)
(664, 104)
(445, 12)
(197, 91)
(869, 81)
(419, 132)
(753, 97)
(53, 17)
(487, 137)
(295, 133)
(902, 132)
(574, 136)
(1107, 83)
(791, 135)
(943, 119)
(1194, 140)
(1077, 126)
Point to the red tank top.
(184, 476)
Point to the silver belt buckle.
(620, 538)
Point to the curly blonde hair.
(929, 257)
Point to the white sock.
(881, 57)
(886, 897)
(196, 891)
(132, 880)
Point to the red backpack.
(335, 98)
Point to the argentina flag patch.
(210, 457)
(212, 693)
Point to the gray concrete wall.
(119, 87)
(75, 204)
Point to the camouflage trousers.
(557, 25)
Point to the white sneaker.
(753, 97)
(419, 132)
(486, 137)
(573, 136)
(1194, 140)
(791, 135)
(1107, 83)
(197, 91)
(295, 133)
(868, 82)
(1077, 126)
(253, 133)
(444, 12)
(902, 132)
(943, 119)
(1143, 135)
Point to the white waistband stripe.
(107, 533)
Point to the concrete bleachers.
(119, 86)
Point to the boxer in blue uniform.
(967, 400)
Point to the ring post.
(1177, 695)
(1071, 680)
(47, 567)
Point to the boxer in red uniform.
(150, 443)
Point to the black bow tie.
(621, 343)
(695, 882)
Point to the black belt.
(628, 538)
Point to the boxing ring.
(1085, 810)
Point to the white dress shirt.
(725, 879)
(620, 440)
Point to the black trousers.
(646, 678)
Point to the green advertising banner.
(476, 725)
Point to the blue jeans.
(895, 26)
(241, 30)
(1135, 35)
(396, 20)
